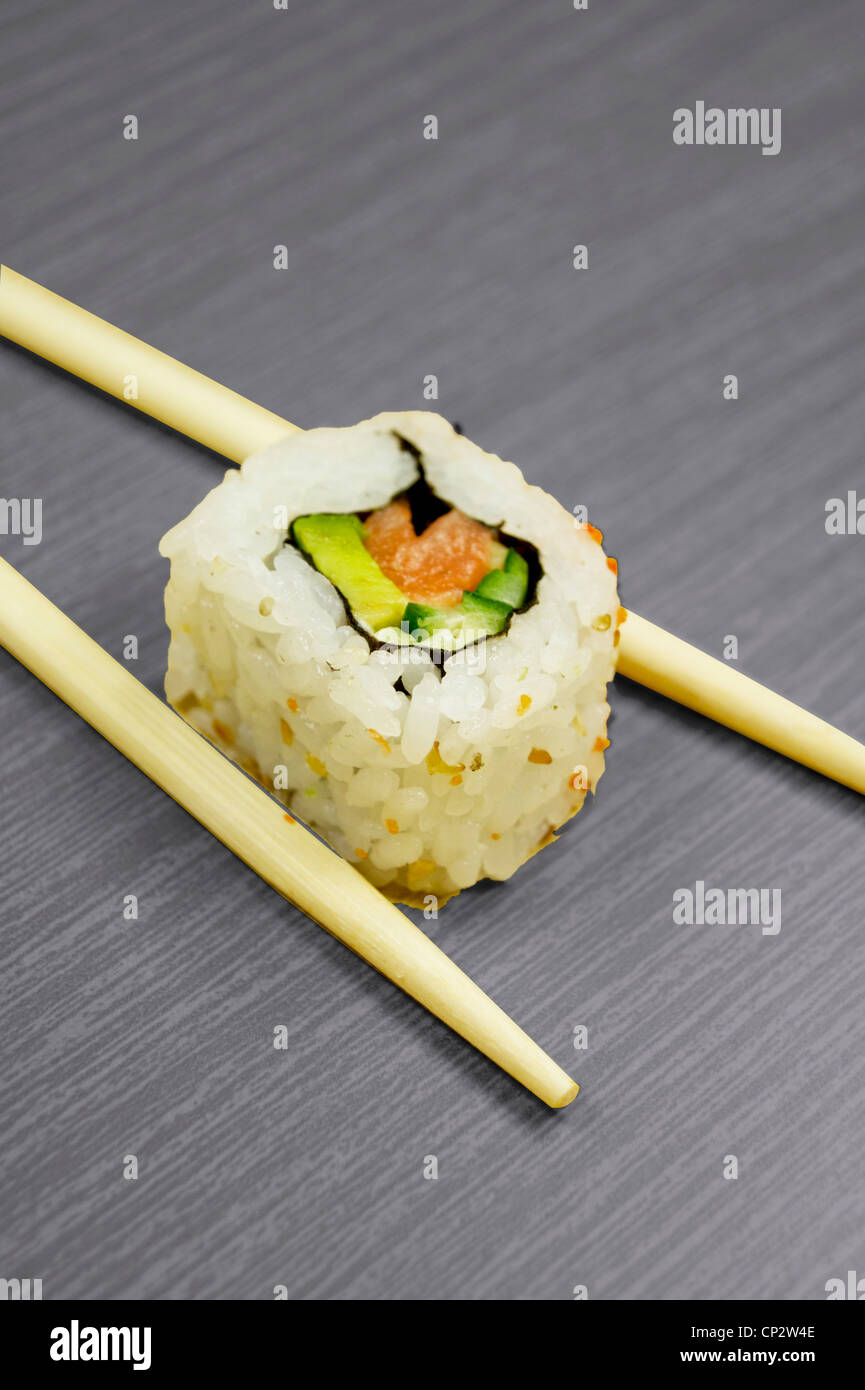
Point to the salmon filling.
(450, 556)
(454, 583)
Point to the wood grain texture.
(408, 257)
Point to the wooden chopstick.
(143, 377)
(673, 668)
(108, 358)
(260, 833)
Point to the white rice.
(426, 775)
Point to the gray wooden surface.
(408, 257)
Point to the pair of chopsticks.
(229, 424)
(241, 815)
(179, 760)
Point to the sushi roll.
(410, 645)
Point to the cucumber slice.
(484, 615)
(498, 555)
(509, 585)
(418, 617)
(475, 617)
(503, 587)
(516, 564)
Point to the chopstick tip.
(570, 1092)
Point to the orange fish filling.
(450, 556)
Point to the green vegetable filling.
(484, 612)
(509, 585)
(335, 545)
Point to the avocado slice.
(334, 543)
(475, 617)
(508, 585)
